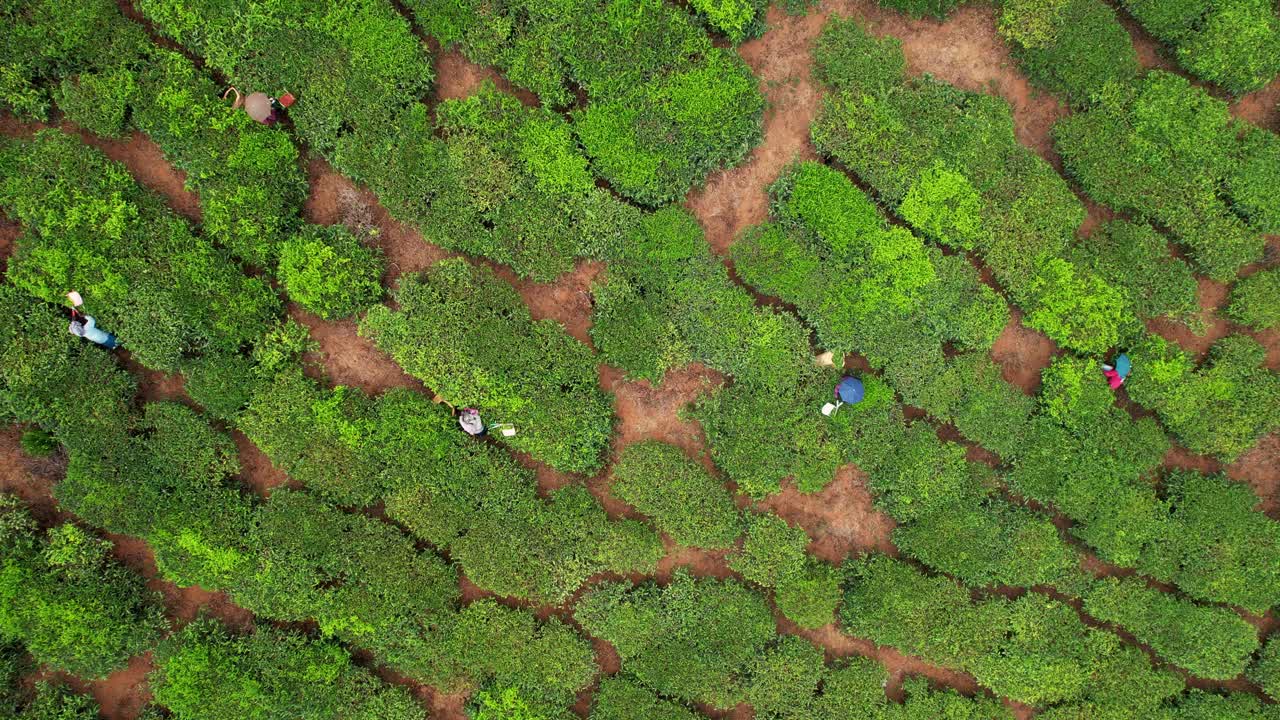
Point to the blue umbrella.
(849, 390)
(1123, 365)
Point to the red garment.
(1113, 378)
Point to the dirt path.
(841, 521)
(1261, 107)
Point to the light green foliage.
(163, 291)
(944, 206)
(203, 672)
(98, 101)
(61, 594)
(685, 501)
(351, 64)
(1234, 43)
(329, 271)
(1210, 642)
(920, 8)
(657, 140)
(1077, 307)
(506, 705)
(1163, 149)
(692, 639)
(1222, 407)
(1071, 47)
(1255, 300)
(1135, 259)
(468, 336)
(737, 19)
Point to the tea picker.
(848, 391)
(261, 107)
(85, 326)
(472, 425)
(1118, 373)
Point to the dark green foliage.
(221, 383)
(683, 499)
(1217, 547)
(247, 175)
(1253, 181)
(57, 702)
(205, 673)
(38, 443)
(46, 40)
(329, 271)
(351, 64)
(1234, 43)
(145, 277)
(691, 639)
(655, 141)
(63, 596)
(506, 181)
(1135, 259)
(785, 678)
(1255, 300)
(468, 336)
(619, 698)
(1210, 642)
(775, 555)
(1163, 150)
(846, 57)
(920, 8)
(1222, 407)
(1265, 669)
(1071, 47)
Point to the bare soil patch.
(841, 521)
(349, 359)
(1261, 107)
(1022, 353)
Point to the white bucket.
(828, 409)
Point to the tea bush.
(619, 698)
(163, 291)
(1217, 547)
(1255, 300)
(919, 8)
(61, 594)
(774, 555)
(1070, 47)
(48, 701)
(1233, 43)
(1032, 649)
(1222, 407)
(351, 64)
(1135, 259)
(684, 500)
(329, 271)
(506, 181)
(1210, 642)
(737, 19)
(203, 672)
(847, 58)
(657, 140)
(692, 639)
(948, 162)
(467, 335)
(1265, 669)
(1175, 172)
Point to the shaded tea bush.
(619, 698)
(1265, 669)
(329, 271)
(1181, 170)
(467, 335)
(1221, 407)
(46, 701)
(1135, 258)
(683, 499)
(72, 605)
(1255, 300)
(203, 672)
